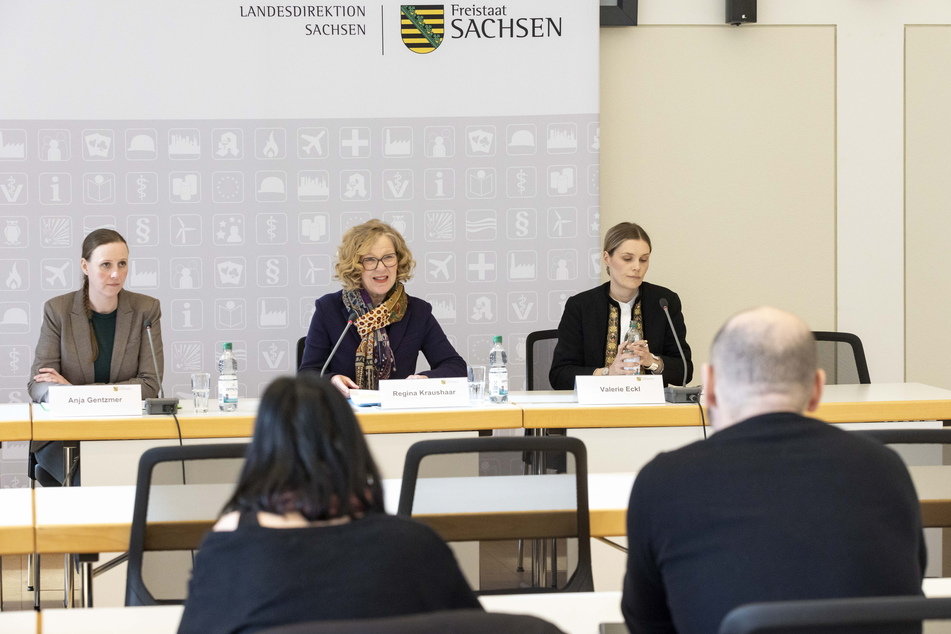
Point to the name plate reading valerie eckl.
(96, 400)
(620, 390)
(424, 393)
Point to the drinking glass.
(476, 375)
(201, 389)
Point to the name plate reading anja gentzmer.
(96, 400)
(620, 390)
(424, 393)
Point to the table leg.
(69, 577)
(86, 561)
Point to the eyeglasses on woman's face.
(371, 264)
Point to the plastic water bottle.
(632, 336)
(227, 380)
(498, 374)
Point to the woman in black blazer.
(591, 335)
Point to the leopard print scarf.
(374, 359)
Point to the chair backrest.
(540, 348)
(835, 615)
(842, 356)
(456, 621)
(179, 493)
(300, 351)
(909, 436)
(474, 490)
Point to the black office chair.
(933, 436)
(485, 498)
(842, 356)
(179, 493)
(300, 351)
(455, 621)
(540, 350)
(878, 614)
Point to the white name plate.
(96, 400)
(424, 393)
(626, 390)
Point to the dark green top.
(105, 328)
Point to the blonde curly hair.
(358, 241)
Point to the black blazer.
(583, 333)
(418, 331)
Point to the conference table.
(98, 519)
(872, 403)
(62, 522)
(877, 402)
(240, 423)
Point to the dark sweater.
(381, 565)
(104, 325)
(776, 507)
(418, 331)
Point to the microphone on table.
(160, 405)
(352, 317)
(684, 394)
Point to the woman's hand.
(417, 376)
(49, 375)
(625, 362)
(642, 351)
(344, 384)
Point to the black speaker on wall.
(740, 11)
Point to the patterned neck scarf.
(614, 317)
(374, 356)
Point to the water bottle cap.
(497, 339)
(226, 346)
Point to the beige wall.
(927, 205)
(721, 142)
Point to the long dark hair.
(307, 454)
(95, 239)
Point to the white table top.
(113, 504)
(572, 612)
(16, 521)
(19, 622)
(160, 619)
(877, 392)
(11, 412)
(17, 505)
(15, 421)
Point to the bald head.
(765, 360)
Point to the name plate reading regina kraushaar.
(424, 393)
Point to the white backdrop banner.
(232, 145)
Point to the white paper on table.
(362, 398)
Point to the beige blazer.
(64, 344)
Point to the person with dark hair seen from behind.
(592, 334)
(774, 506)
(391, 328)
(95, 335)
(304, 537)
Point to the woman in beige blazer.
(96, 334)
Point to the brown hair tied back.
(93, 241)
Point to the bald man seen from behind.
(774, 505)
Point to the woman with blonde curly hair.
(391, 328)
